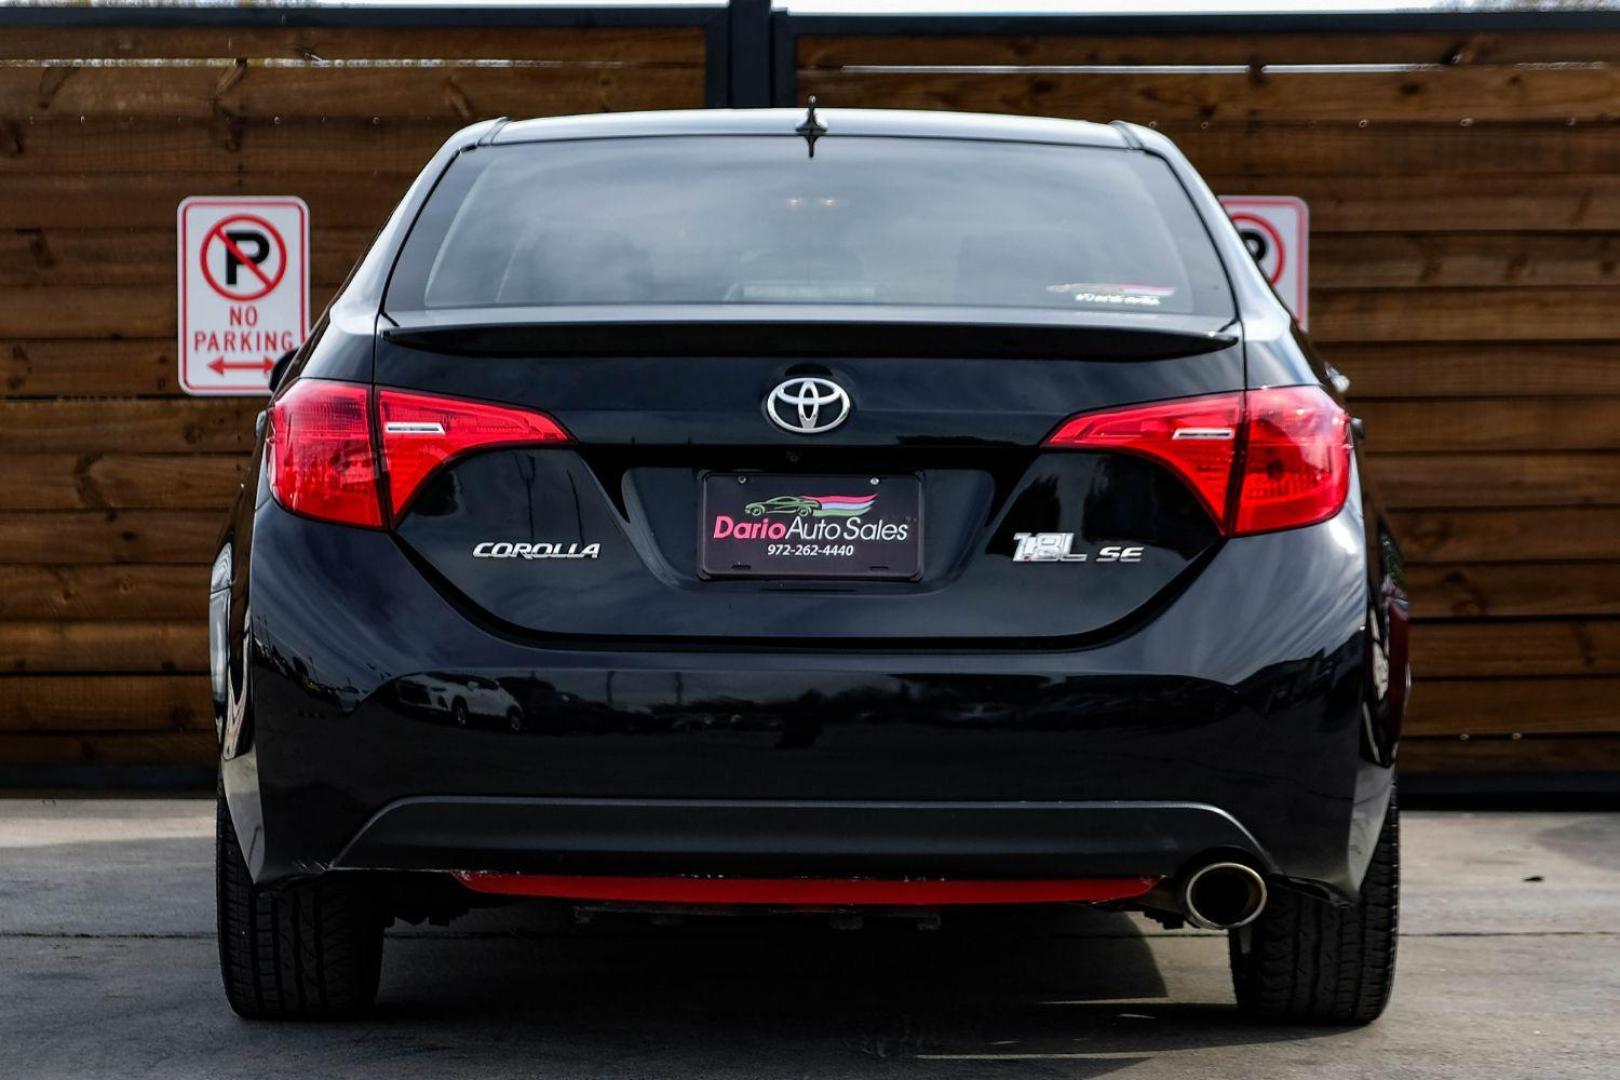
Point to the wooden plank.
(141, 257)
(181, 425)
(1482, 648)
(120, 481)
(1475, 92)
(1491, 424)
(819, 52)
(117, 368)
(665, 45)
(54, 367)
(1446, 314)
(196, 749)
(143, 646)
(1454, 536)
(1515, 589)
(1513, 203)
(71, 537)
(1477, 369)
(1496, 480)
(134, 144)
(1527, 202)
(1337, 315)
(90, 593)
(105, 310)
(60, 704)
(1452, 260)
(361, 201)
(1598, 753)
(1277, 151)
(452, 91)
(1509, 706)
(46, 143)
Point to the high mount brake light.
(1291, 444)
(323, 463)
(421, 432)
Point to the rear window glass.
(755, 220)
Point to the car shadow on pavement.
(1079, 988)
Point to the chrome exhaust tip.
(1223, 896)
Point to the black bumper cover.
(1227, 723)
(768, 838)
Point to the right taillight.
(1286, 451)
(1296, 460)
(319, 452)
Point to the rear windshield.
(755, 220)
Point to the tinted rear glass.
(754, 220)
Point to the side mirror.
(278, 371)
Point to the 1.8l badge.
(1049, 547)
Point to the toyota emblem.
(807, 406)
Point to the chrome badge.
(807, 406)
(502, 549)
(1059, 547)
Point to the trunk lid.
(604, 538)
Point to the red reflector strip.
(807, 892)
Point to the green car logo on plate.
(820, 506)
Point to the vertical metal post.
(784, 60)
(749, 54)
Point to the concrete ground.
(1510, 967)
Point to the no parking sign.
(244, 289)
(1277, 231)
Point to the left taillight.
(323, 461)
(422, 432)
(319, 453)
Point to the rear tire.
(309, 951)
(1305, 961)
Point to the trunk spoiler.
(796, 331)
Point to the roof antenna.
(812, 128)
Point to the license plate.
(758, 525)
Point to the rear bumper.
(762, 838)
(1223, 725)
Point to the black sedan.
(820, 513)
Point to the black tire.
(458, 713)
(514, 719)
(308, 951)
(1305, 961)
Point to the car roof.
(891, 122)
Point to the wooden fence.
(1464, 187)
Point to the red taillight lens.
(1294, 444)
(421, 432)
(1196, 437)
(1296, 460)
(319, 453)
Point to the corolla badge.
(502, 549)
(807, 406)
